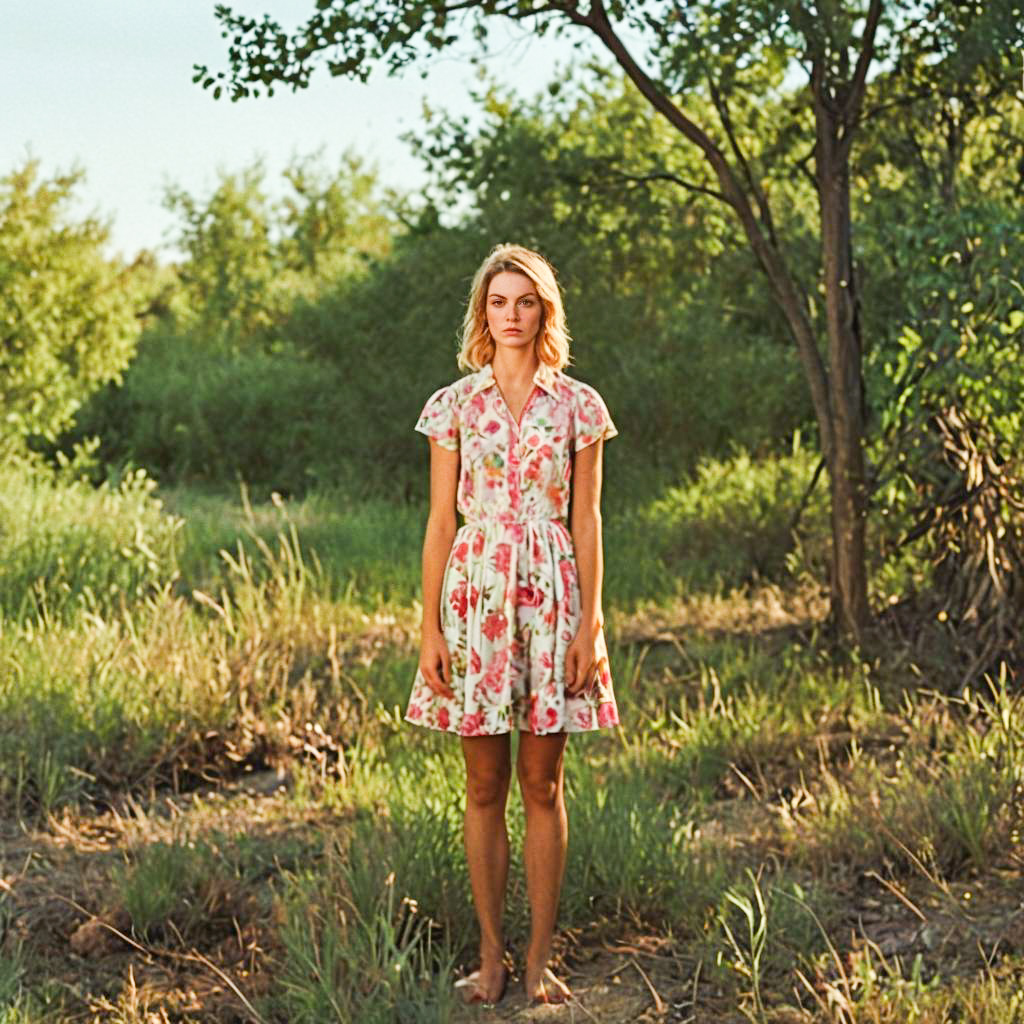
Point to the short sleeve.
(440, 419)
(591, 419)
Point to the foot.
(543, 987)
(486, 985)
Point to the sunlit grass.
(754, 771)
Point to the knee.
(487, 788)
(540, 789)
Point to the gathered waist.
(506, 520)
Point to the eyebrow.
(525, 295)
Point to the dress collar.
(544, 378)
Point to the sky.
(107, 86)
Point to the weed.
(357, 952)
(748, 950)
(66, 546)
(169, 886)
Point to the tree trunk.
(836, 392)
(846, 388)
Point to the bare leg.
(539, 767)
(488, 771)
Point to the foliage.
(354, 949)
(68, 312)
(657, 290)
(191, 412)
(735, 520)
(949, 470)
(67, 546)
(250, 256)
(733, 55)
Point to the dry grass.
(213, 812)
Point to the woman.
(512, 634)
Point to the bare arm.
(435, 662)
(585, 526)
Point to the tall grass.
(733, 521)
(277, 623)
(355, 948)
(67, 546)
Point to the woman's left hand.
(581, 660)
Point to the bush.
(733, 522)
(194, 412)
(65, 545)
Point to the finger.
(570, 671)
(575, 681)
(581, 676)
(444, 678)
(433, 680)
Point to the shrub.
(66, 545)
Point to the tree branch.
(690, 186)
(786, 292)
(850, 110)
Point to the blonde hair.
(552, 342)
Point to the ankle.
(538, 957)
(492, 952)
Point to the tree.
(249, 255)
(730, 53)
(67, 314)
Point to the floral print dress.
(510, 599)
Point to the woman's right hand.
(436, 664)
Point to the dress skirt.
(510, 608)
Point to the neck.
(516, 366)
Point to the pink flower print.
(461, 551)
(443, 719)
(532, 471)
(415, 712)
(541, 722)
(474, 661)
(533, 440)
(585, 718)
(568, 573)
(478, 542)
(545, 661)
(492, 427)
(458, 599)
(494, 626)
(502, 558)
(472, 725)
(515, 531)
(545, 452)
(494, 678)
(474, 596)
(606, 715)
(478, 404)
(529, 597)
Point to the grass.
(763, 797)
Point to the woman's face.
(513, 309)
